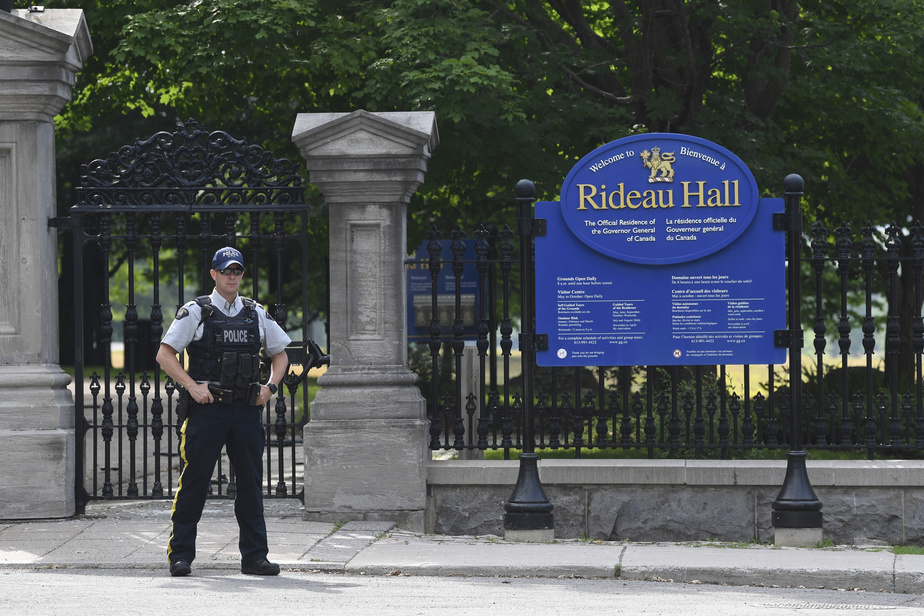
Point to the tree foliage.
(829, 89)
(522, 88)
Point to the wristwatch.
(272, 387)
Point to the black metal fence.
(159, 209)
(862, 392)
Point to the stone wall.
(682, 500)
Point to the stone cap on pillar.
(40, 55)
(353, 157)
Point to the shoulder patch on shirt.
(266, 313)
(182, 313)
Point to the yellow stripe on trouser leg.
(179, 485)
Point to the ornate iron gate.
(158, 209)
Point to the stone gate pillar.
(40, 54)
(366, 444)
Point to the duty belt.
(222, 395)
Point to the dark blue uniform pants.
(206, 430)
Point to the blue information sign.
(420, 293)
(660, 252)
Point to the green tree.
(853, 117)
(523, 88)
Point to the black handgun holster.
(252, 394)
(220, 394)
(183, 404)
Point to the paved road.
(101, 592)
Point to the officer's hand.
(200, 393)
(265, 395)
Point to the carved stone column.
(366, 444)
(40, 54)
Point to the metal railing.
(867, 396)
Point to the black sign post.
(529, 512)
(796, 506)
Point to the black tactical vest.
(229, 350)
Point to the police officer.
(222, 334)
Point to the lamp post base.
(797, 537)
(541, 535)
(528, 514)
(796, 518)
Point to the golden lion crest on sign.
(659, 164)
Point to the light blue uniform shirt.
(187, 326)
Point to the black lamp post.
(529, 508)
(796, 506)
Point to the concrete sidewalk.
(133, 535)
